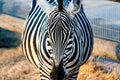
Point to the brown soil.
(14, 66)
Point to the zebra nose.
(56, 62)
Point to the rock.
(9, 39)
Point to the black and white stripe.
(39, 40)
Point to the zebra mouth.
(58, 72)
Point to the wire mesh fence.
(103, 15)
(104, 18)
(105, 30)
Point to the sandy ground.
(14, 66)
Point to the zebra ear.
(45, 6)
(74, 6)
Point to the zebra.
(57, 38)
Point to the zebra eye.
(47, 34)
(48, 43)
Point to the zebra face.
(59, 29)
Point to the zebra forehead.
(57, 13)
(60, 17)
(60, 25)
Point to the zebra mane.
(60, 5)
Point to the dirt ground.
(14, 66)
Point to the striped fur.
(37, 42)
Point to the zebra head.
(60, 28)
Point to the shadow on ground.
(9, 39)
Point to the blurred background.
(104, 62)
